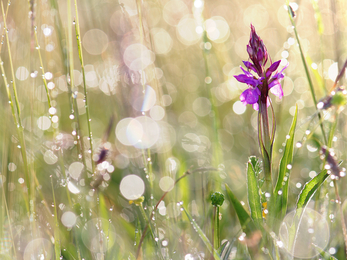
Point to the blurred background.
(161, 100)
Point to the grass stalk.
(162, 198)
(60, 155)
(57, 247)
(80, 54)
(337, 195)
(4, 197)
(202, 236)
(42, 69)
(18, 120)
(79, 136)
(306, 69)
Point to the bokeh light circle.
(49, 157)
(173, 11)
(95, 41)
(157, 113)
(186, 31)
(44, 123)
(22, 73)
(310, 235)
(162, 41)
(202, 106)
(239, 108)
(217, 29)
(124, 129)
(68, 219)
(37, 247)
(132, 187)
(137, 57)
(141, 132)
(166, 183)
(72, 188)
(75, 169)
(256, 14)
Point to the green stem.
(79, 136)
(343, 223)
(17, 120)
(216, 146)
(143, 213)
(162, 197)
(217, 232)
(80, 54)
(306, 71)
(57, 246)
(213, 240)
(265, 144)
(338, 199)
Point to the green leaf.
(324, 254)
(279, 201)
(310, 188)
(202, 236)
(317, 76)
(225, 249)
(254, 197)
(222, 247)
(246, 222)
(57, 247)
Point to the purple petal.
(272, 68)
(246, 72)
(276, 89)
(245, 79)
(255, 106)
(280, 74)
(249, 65)
(260, 55)
(249, 50)
(277, 76)
(250, 96)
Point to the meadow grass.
(123, 133)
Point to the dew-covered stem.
(17, 119)
(80, 54)
(79, 136)
(162, 198)
(42, 68)
(306, 69)
(265, 145)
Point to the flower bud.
(217, 199)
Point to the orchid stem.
(265, 145)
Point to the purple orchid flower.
(263, 81)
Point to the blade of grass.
(57, 248)
(310, 188)
(78, 136)
(279, 200)
(319, 79)
(324, 254)
(4, 204)
(18, 121)
(306, 68)
(202, 235)
(80, 54)
(225, 253)
(246, 221)
(254, 197)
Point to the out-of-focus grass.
(165, 70)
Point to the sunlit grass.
(120, 120)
